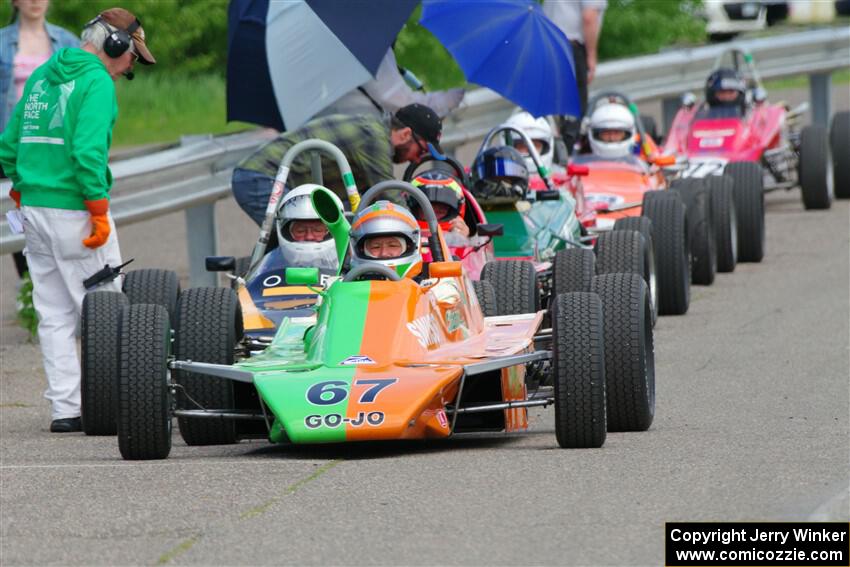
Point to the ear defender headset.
(117, 41)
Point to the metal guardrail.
(194, 175)
(668, 75)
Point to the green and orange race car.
(384, 357)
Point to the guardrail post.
(669, 107)
(202, 239)
(820, 96)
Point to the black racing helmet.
(725, 79)
(499, 172)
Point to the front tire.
(669, 232)
(629, 351)
(749, 208)
(643, 226)
(695, 195)
(144, 397)
(157, 287)
(839, 141)
(206, 332)
(723, 218)
(515, 284)
(815, 168)
(100, 360)
(578, 346)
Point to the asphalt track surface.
(753, 423)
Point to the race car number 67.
(333, 391)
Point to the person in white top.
(388, 92)
(581, 22)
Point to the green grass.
(801, 81)
(161, 108)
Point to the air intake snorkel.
(330, 213)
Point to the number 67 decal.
(333, 391)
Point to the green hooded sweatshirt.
(55, 147)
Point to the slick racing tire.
(629, 351)
(672, 253)
(643, 226)
(144, 395)
(578, 351)
(815, 168)
(749, 208)
(207, 325)
(100, 356)
(723, 218)
(573, 270)
(839, 141)
(696, 197)
(515, 284)
(157, 287)
(486, 298)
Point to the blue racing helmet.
(499, 172)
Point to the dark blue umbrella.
(287, 61)
(511, 47)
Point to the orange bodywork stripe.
(252, 319)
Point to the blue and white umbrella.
(289, 59)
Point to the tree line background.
(190, 36)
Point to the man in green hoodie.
(55, 149)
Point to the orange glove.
(16, 197)
(99, 223)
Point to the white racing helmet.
(296, 205)
(612, 116)
(536, 129)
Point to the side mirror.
(302, 276)
(548, 195)
(664, 160)
(491, 229)
(574, 170)
(445, 270)
(689, 100)
(220, 263)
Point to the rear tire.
(749, 209)
(839, 141)
(578, 366)
(573, 270)
(144, 395)
(100, 360)
(629, 351)
(157, 287)
(723, 218)
(815, 168)
(486, 297)
(667, 213)
(696, 197)
(206, 332)
(515, 284)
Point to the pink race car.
(762, 146)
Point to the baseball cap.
(124, 19)
(423, 121)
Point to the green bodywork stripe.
(285, 389)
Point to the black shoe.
(66, 425)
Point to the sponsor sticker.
(357, 360)
(443, 418)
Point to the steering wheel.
(373, 269)
(379, 189)
(453, 163)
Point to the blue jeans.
(252, 190)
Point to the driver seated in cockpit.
(725, 95)
(387, 234)
(303, 240)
